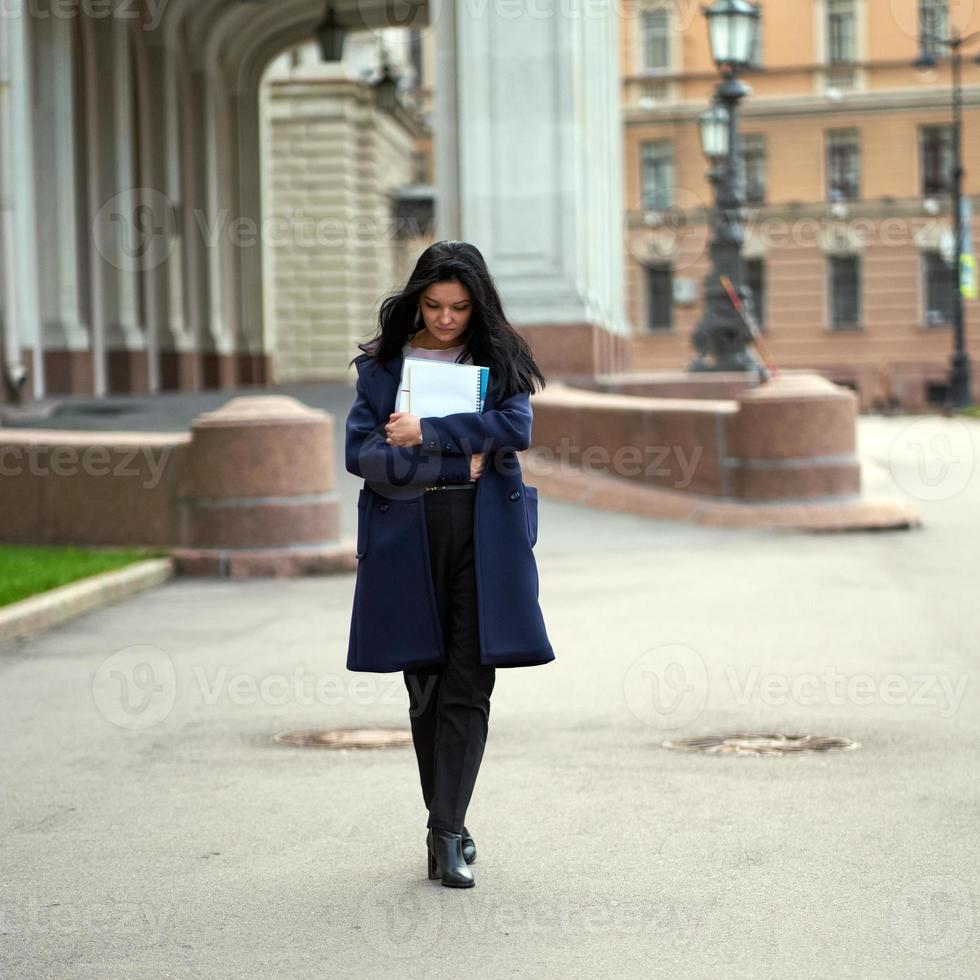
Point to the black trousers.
(449, 704)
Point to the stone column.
(21, 284)
(66, 339)
(529, 109)
(126, 359)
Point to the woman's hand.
(403, 429)
(476, 466)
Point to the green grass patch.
(26, 570)
(972, 410)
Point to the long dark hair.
(488, 339)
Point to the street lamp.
(386, 85)
(330, 35)
(958, 390)
(722, 338)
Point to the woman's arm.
(506, 427)
(368, 455)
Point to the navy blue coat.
(395, 621)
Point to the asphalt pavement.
(153, 827)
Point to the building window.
(420, 167)
(936, 159)
(660, 296)
(937, 288)
(754, 167)
(841, 32)
(933, 23)
(845, 291)
(755, 59)
(843, 165)
(655, 40)
(755, 279)
(657, 174)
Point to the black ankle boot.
(469, 847)
(445, 852)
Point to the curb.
(290, 561)
(38, 612)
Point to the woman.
(447, 583)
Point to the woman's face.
(446, 309)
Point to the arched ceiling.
(227, 34)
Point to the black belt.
(454, 486)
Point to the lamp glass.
(733, 26)
(714, 131)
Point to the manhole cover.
(761, 743)
(347, 738)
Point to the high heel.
(433, 873)
(469, 847)
(445, 853)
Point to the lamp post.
(721, 338)
(958, 389)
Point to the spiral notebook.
(437, 388)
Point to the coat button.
(383, 508)
(448, 445)
(432, 442)
(515, 494)
(359, 555)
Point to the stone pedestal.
(258, 492)
(794, 437)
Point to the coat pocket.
(531, 507)
(364, 509)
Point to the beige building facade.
(846, 151)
